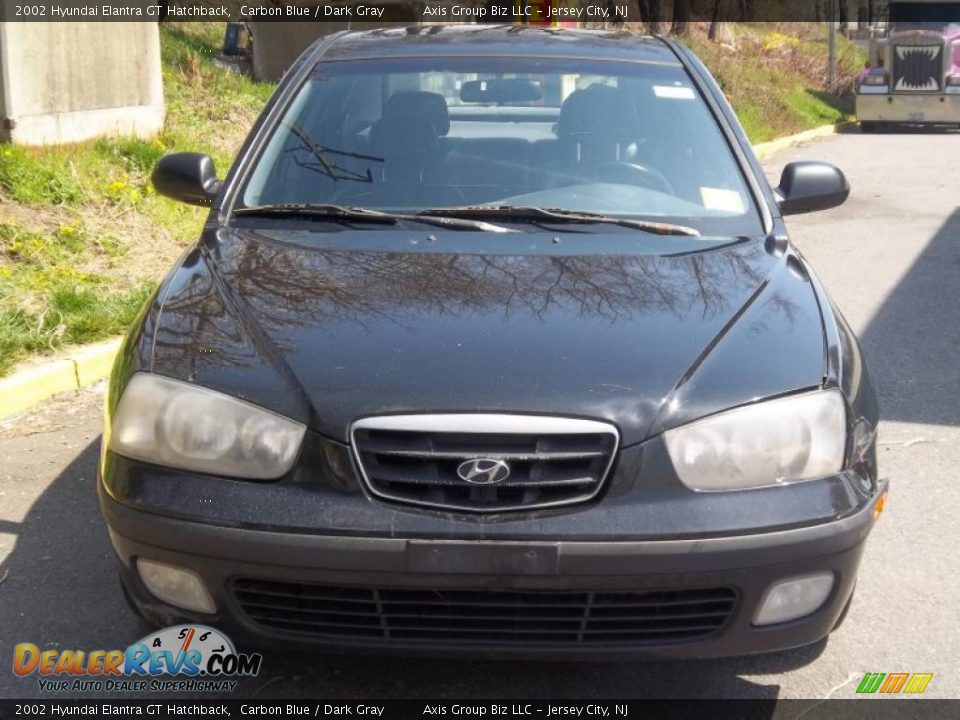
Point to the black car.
(494, 342)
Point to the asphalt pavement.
(890, 258)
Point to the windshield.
(627, 139)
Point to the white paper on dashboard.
(720, 199)
(674, 92)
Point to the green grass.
(37, 177)
(193, 119)
(132, 154)
(83, 236)
(776, 78)
(46, 301)
(72, 315)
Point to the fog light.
(793, 598)
(175, 585)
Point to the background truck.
(913, 74)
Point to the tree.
(681, 17)
(714, 20)
(650, 13)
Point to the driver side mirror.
(187, 177)
(809, 186)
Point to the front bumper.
(744, 564)
(899, 108)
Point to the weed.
(37, 177)
(131, 154)
(123, 192)
(88, 315)
(112, 247)
(70, 315)
(80, 274)
(777, 83)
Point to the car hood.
(331, 327)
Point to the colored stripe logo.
(894, 683)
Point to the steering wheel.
(628, 173)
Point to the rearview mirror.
(187, 177)
(808, 186)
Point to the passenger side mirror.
(187, 177)
(809, 186)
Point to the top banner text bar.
(667, 13)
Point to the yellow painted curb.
(30, 386)
(765, 150)
(94, 362)
(85, 365)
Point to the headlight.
(778, 441)
(177, 424)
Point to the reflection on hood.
(332, 334)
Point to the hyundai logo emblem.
(483, 471)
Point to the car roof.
(504, 40)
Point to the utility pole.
(832, 35)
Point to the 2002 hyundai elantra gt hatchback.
(494, 342)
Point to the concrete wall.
(66, 82)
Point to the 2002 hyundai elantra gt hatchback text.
(494, 342)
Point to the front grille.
(483, 463)
(484, 616)
(917, 68)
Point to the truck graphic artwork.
(913, 73)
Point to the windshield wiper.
(323, 212)
(558, 215)
(346, 213)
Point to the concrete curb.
(82, 366)
(765, 150)
(88, 364)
